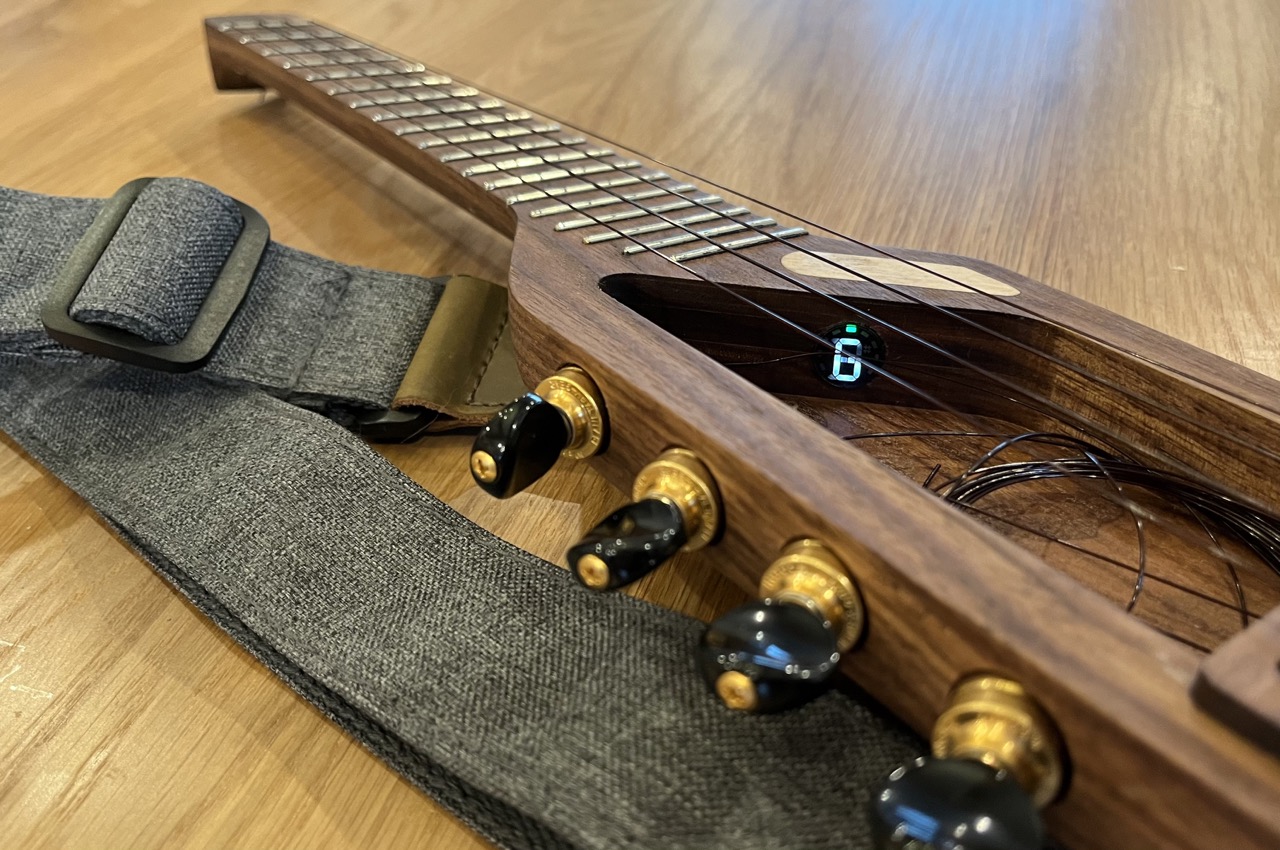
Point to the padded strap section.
(542, 714)
(154, 275)
(545, 715)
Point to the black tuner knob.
(997, 760)
(519, 445)
(768, 655)
(563, 415)
(675, 507)
(783, 649)
(954, 803)
(628, 544)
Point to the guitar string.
(598, 187)
(734, 252)
(1089, 426)
(897, 291)
(1232, 393)
(1239, 605)
(1138, 514)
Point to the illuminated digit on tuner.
(856, 353)
(848, 353)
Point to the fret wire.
(506, 147)
(778, 237)
(610, 200)
(559, 174)
(535, 160)
(638, 212)
(583, 186)
(658, 227)
(696, 235)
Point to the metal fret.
(656, 227)
(558, 191)
(733, 244)
(561, 174)
(511, 132)
(639, 212)
(682, 238)
(531, 161)
(610, 200)
(498, 149)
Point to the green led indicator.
(851, 329)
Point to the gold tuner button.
(676, 508)
(783, 649)
(564, 416)
(809, 574)
(992, 720)
(573, 392)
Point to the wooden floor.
(1124, 151)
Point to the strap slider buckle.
(191, 352)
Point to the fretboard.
(503, 163)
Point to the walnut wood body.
(1075, 186)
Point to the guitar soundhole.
(1180, 571)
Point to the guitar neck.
(504, 164)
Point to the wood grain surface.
(1124, 152)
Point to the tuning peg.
(781, 650)
(564, 415)
(675, 507)
(997, 761)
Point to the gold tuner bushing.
(809, 574)
(572, 390)
(678, 477)
(993, 720)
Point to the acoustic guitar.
(1043, 535)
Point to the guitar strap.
(541, 714)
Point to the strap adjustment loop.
(219, 306)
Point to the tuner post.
(678, 478)
(573, 392)
(676, 507)
(992, 720)
(564, 415)
(782, 650)
(809, 574)
(997, 760)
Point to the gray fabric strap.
(543, 715)
(311, 331)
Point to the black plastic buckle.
(404, 425)
(210, 323)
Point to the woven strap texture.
(543, 715)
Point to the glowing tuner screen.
(853, 347)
